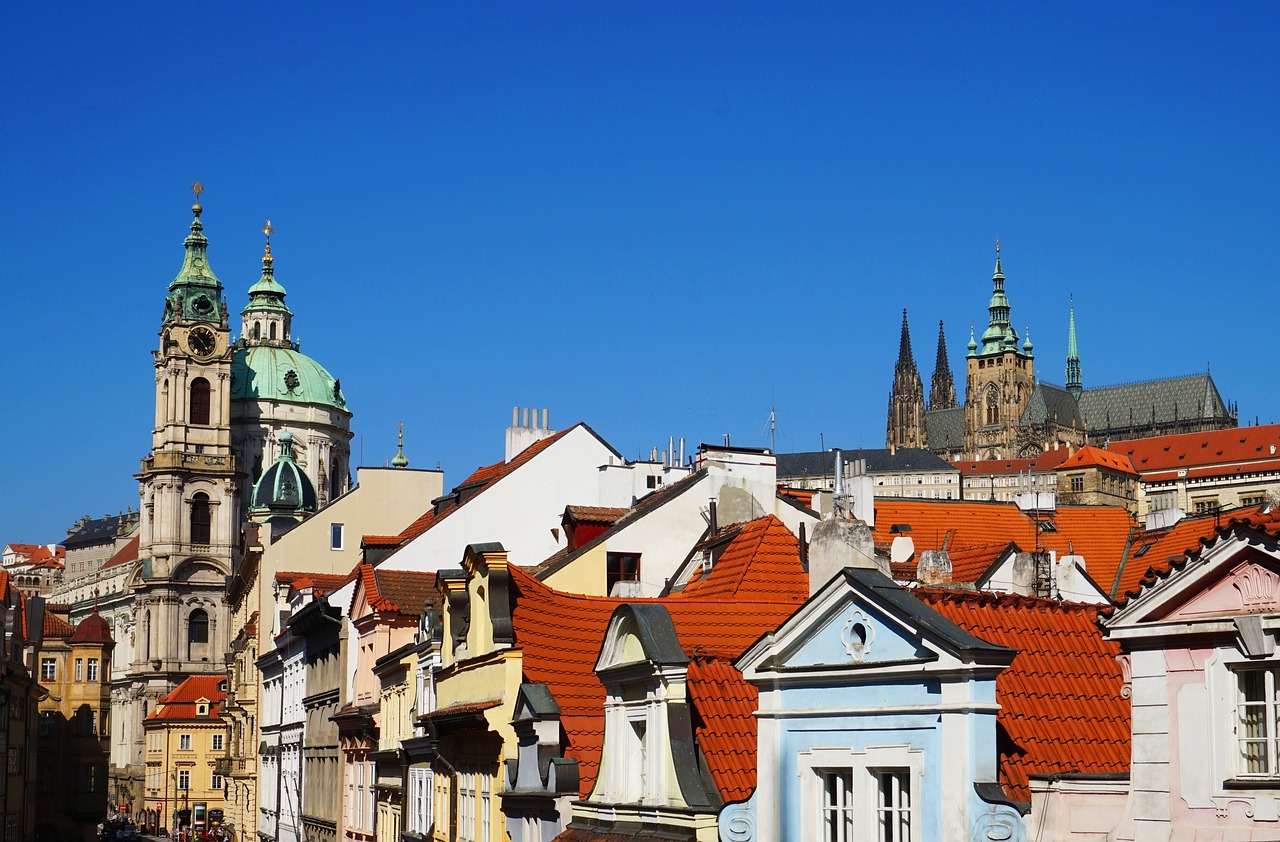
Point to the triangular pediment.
(863, 620)
(1239, 573)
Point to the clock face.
(202, 341)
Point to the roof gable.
(762, 561)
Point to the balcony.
(224, 766)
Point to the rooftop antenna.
(773, 429)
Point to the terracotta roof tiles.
(56, 627)
(1096, 457)
(1214, 452)
(767, 550)
(402, 591)
(1060, 700)
(180, 702)
(126, 554)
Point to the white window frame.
(215, 782)
(184, 742)
(216, 742)
(1269, 708)
(91, 670)
(79, 669)
(184, 780)
(337, 536)
(421, 799)
(864, 768)
(48, 669)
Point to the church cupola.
(284, 489)
(400, 460)
(195, 295)
(266, 320)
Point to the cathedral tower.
(906, 398)
(942, 395)
(1000, 381)
(189, 512)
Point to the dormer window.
(202, 709)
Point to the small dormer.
(488, 588)
(202, 706)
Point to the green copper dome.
(264, 372)
(284, 488)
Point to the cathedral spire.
(999, 335)
(942, 395)
(906, 398)
(195, 294)
(1075, 384)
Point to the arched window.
(257, 330)
(197, 634)
(273, 330)
(199, 401)
(335, 480)
(201, 516)
(993, 406)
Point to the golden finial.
(400, 426)
(997, 245)
(197, 189)
(267, 259)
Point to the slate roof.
(761, 563)
(1098, 533)
(879, 460)
(1096, 457)
(1173, 398)
(1054, 404)
(944, 429)
(1061, 708)
(93, 531)
(1210, 453)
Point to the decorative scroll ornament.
(1257, 586)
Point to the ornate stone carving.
(1257, 587)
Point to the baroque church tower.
(190, 524)
(906, 398)
(1001, 378)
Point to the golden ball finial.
(997, 245)
(267, 259)
(197, 189)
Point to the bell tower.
(189, 530)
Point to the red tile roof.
(1172, 548)
(1212, 453)
(402, 591)
(180, 702)
(126, 554)
(1098, 533)
(320, 583)
(765, 549)
(1096, 457)
(56, 627)
(1060, 699)
(708, 628)
(1043, 463)
(379, 540)
(595, 514)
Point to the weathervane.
(266, 255)
(197, 189)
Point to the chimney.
(521, 435)
(838, 543)
(934, 568)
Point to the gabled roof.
(320, 583)
(765, 549)
(1060, 700)
(126, 554)
(561, 636)
(1214, 453)
(606, 515)
(1173, 549)
(1098, 533)
(483, 479)
(1052, 404)
(1153, 401)
(56, 628)
(642, 507)
(1095, 457)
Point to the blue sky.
(660, 218)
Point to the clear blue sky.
(660, 218)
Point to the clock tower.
(189, 532)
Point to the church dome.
(92, 629)
(266, 372)
(284, 487)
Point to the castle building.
(1009, 413)
(223, 406)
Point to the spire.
(1075, 384)
(904, 343)
(973, 343)
(195, 294)
(400, 460)
(999, 335)
(942, 395)
(906, 398)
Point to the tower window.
(272, 328)
(201, 517)
(257, 330)
(199, 401)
